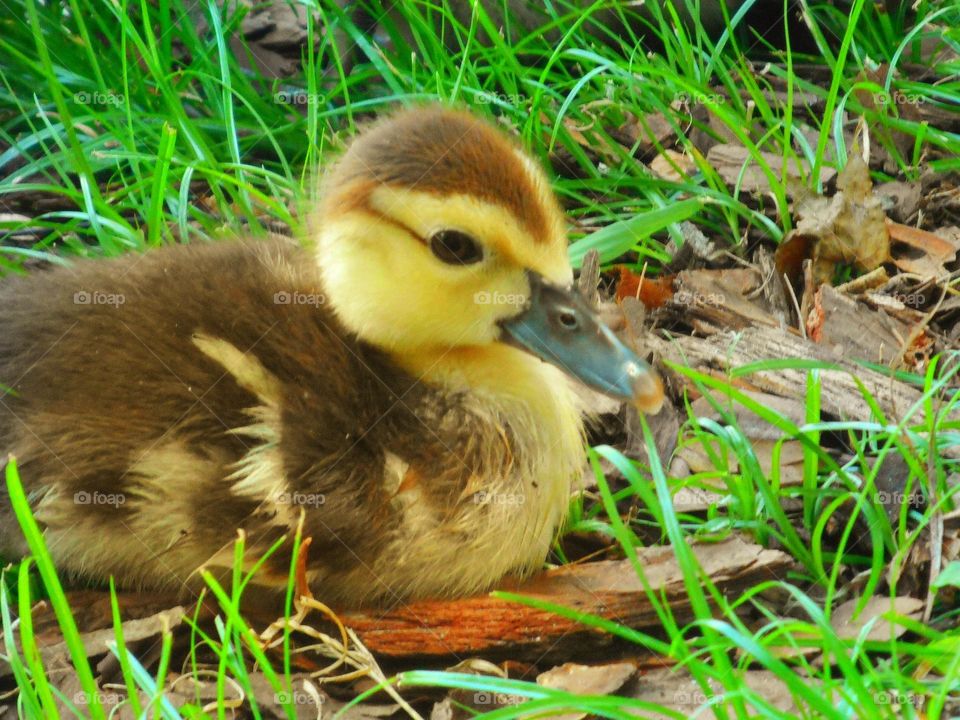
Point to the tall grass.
(126, 125)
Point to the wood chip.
(840, 395)
(610, 589)
(853, 331)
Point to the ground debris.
(610, 589)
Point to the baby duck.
(385, 385)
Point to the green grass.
(133, 147)
(101, 112)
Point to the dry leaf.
(902, 198)
(586, 680)
(739, 168)
(920, 252)
(592, 141)
(649, 132)
(678, 691)
(851, 227)
(673, 166)
(849, 627)
(848, 229)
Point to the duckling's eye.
(455, 248)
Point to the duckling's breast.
(478, 491)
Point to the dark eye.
(455, 248)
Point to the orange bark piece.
(652, 292)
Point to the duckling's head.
(438, 234)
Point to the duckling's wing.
(140, 399)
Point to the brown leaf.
(847, 229)
(673, 166)
(738, 167)
(710, 491)
(859, 233)
(903, 198)
(790, 254)
(920, 252)
(586, 680)
(849, 627)
(680, 692)
(95, 622)
(592, 141)
(649, 132)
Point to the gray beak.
(559, 327)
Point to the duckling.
(399, 384)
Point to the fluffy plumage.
(162, 401)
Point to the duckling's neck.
(525, 453)
(496, 370)
(534, 398)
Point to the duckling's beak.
(559, 327)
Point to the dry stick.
(303, 603)
(870, 280)
(801, 323)
(361, 659)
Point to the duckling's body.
(202, 406)
(163, 401)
